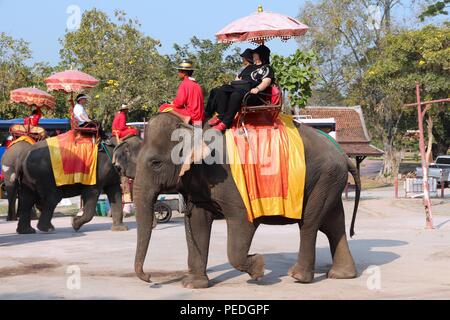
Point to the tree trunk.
(391, 164)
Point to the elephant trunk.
(145, 202)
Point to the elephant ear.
(197, 154)
(200, 152)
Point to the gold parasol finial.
(260, 9)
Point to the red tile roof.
(351, 130)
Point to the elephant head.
(125, 156)
(157, 171)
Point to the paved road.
(371, 167)
(409, 261)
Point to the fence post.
(442, 185)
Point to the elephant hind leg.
(11, 190)
(114, 194)
(27, 199)
(323, 198)
(334, 228)
(240, 236)
(90, 197)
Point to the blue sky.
(43, 22)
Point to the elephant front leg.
(115, 199)
(90, 197)
(240, 236)
(198, 233)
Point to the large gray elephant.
(11, 161)
(210, 189)
(38, 186)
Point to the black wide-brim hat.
(248, 55)
(264, 53)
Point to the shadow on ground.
(12, 239)
(366, 253)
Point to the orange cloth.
(269, 168)
(74, 159)
(22, 139)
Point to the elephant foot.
(343, 273)
(193, 281)
(76, 225)
(119, 228)
(46, 228)
(26, 230)
(257, 269)
(301, 275)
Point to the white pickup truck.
(441, 166)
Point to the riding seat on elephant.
(52, 171)
(210, 189)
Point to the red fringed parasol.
(261, 27)
(33, 97)
(71, 81)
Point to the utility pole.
(426, 186)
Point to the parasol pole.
(261, 10)
(72, 106)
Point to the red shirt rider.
(189, 101)
(33, 120)
(119, 125)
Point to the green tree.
(126, 62)
(214, 65)
(295, 74)
(407, 57)
(14, 73)
(341, 33)
(435, 9)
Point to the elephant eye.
(156, 164)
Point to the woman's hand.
(263, 86)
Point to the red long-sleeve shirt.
(33, 119)
(190, 100)
(120, 126)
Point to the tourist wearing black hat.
(260, 76)
(243, 82)
(247, 61)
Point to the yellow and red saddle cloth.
(23, 139)
(268, 167)
(74, 159)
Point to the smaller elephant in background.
(38, 186)
(11, 162)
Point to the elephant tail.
(355, 173)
